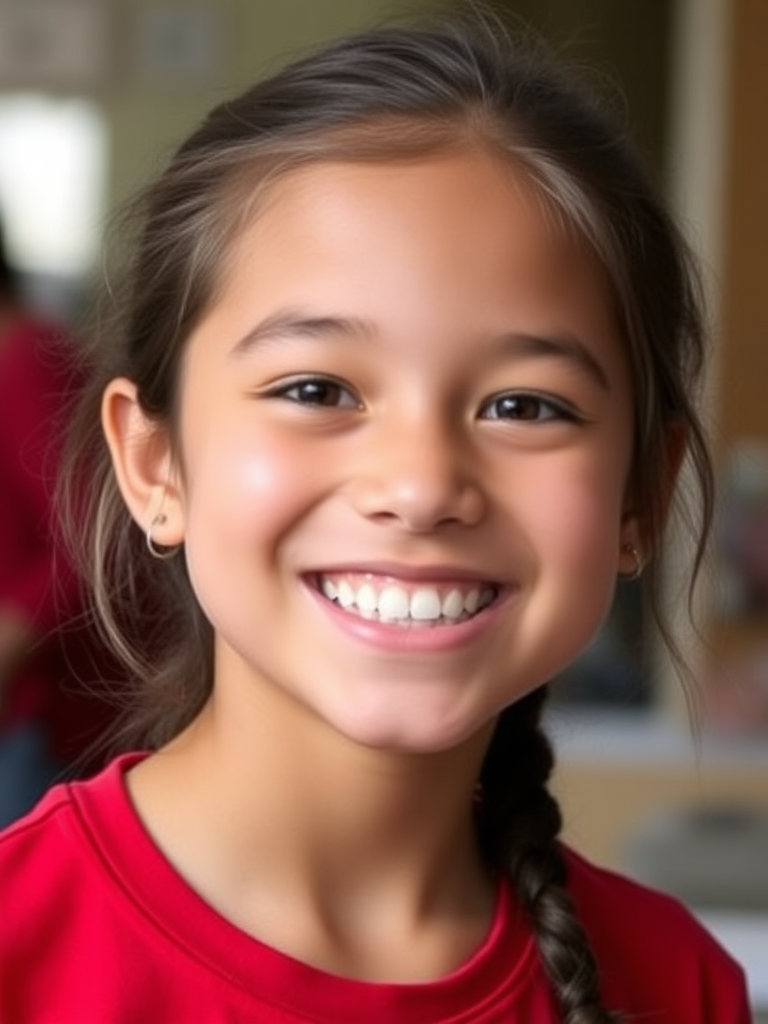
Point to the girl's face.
(405, 433)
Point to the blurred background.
(94, 94)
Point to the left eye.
(526, 408)
(317, 391)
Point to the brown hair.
(386, 95)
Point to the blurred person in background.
(48, 717)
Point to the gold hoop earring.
(163, 554)
(637, 572)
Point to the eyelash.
(291, 390)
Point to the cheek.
(243, 497)
(575, 514)
(245, 488)
(263, 477)
(573, 528)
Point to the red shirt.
(96, 927)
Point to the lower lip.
(413, 639)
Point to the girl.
(402, 384)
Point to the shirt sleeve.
(657, 962)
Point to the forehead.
(464, 234)
(471, 180)
(487, 201)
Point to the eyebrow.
(295, 323)
(565, 347)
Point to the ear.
(640, 531)
(143, 462)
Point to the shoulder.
(43, 876)
(49, 856)
(28, 841)
(654, 955)
(604, 897)
(65, 936)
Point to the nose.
(419, 476)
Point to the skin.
(415, 289)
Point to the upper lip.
(412, 573)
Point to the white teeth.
(393, 604)
(367, 601)
(425, 605)
(453, 605)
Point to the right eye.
(323, 392)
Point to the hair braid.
(519, 825)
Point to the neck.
(318, 846)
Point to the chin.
(421, 732)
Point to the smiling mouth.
(408, 605)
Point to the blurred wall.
(625, 43)
(740, 635)
(171, 63)
(147, 71)
(744, 363)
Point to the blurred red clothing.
(37, 381)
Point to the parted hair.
(389, 94)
